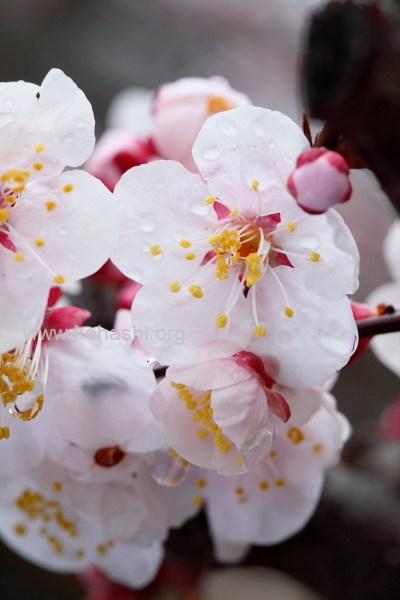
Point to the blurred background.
(351, 548)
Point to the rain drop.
(167, 470)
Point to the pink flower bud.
(320, 180)
(115, 153)
(180, 110)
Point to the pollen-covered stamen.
(15, 180)
(289, 312)
(21, 389)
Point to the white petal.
(160, 203)
(310, 347)
(24, 291)
(210, 375)
(391, 249)
(130, 565)
(243, 145)
(78, 233)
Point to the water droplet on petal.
(63, 231)
(147, 223)
(159, 184)
(309, 241)
(71, 256)
(211, 152)
(289, 339)
(227, 126)
(167, 470)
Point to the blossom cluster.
(213, 391)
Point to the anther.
(255, 185)
(175, 286)
(315, 257)
(185, 243)
(221, 320)
(68, 187)
(288, 312)
(196, 291)
(190, 256)
(291, 227)
(39, 242)
(210, 200)
(260, 331)
(155, 250)
(50, 205)
(19, 256)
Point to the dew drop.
(165, 469)
(211, 152)
(333, 337)
(147, 223)
(227, 126)
(258, 127)
(289, 339)
(63, 231)
(159, 184)
(72, 257)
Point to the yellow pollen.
(239, 491)
(19, 256)
(315, 257)
(50, 205)
(68, 187)
(190, 256)
(272, 454)
(155, 250)
(260, 331)
(234, 212)
(317, 448)
(255, 185)
(39, 148)
(295, 435)
(20, 529)
(201, 483)
(38, 166)
(184, 463)
(279, 482)
(173, 453)
(79, 554)
(198, 500)
(4, 214)
(39, 242)
(57, 486)
(218, 104)
(185, 243)
(101, 549)
(240, 460)
(4, 431)
(202, 433)
(196, 291)
(175, 286)
(263, 485)
(289, 312)
(253, 271)
(210, 200)
(221, 320)
(290, 227)
(59, 279)
(16, 176)
(178, 386)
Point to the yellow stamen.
(39, 148)
(50, 205)
(198, 500)
(185, 243)
(234, 212)
(317, 448)
(201, 483)
(38, 166)
(280, 482)
(218, 104)
(315, 257)
(155, 250)
(255, 185)
(4, 214)
(263, 485)
(260, 331)
(68, 187)
(57, 486)
(295, 435)
(39, 242)
(291, 227)
(59, 279)
(210, 200)
(196, 291)
(19, 256)
(221, 320)
(289, 312)
(175, 286)
(190, 256)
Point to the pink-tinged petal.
(55, 294)
(243, 414)
(320, 180)
(180, 109)
(151, 231)
(308, 348)
(269, 223)
(278, 405)
(387, 347)
(210, 375)
(391, 250)
(303, 404)
(254, 363)
(76, 235)
(177, 328)
(63, 318)
(24, 291)
(244, 145)
(127, 294)
(109, 274)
